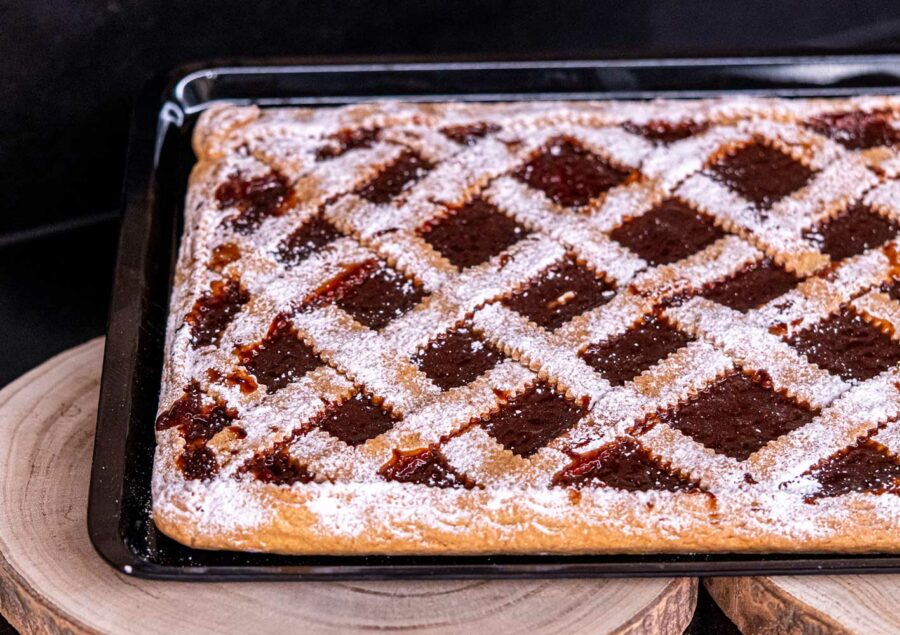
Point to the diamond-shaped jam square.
(667, 233)
(560, 293)
(356, 420)
(473, 234)
(348, 139)
(625, 356)
(761, 174)
(846, 345)
(737, 415)
(569, 174)
(469, 134)
(396, 178)
(753, 286)
(456, 358)
(424, 467)
(624, 465)
(280, 358)
(857, 130)
(256, 199)
(865, 467)
(666, 132)
(380, 297)
(532, 419)
(852, 232)
(306, 240)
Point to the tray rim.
(161, 104)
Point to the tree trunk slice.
(51, 579)
(810, 604)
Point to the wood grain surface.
(810, 604)
(51, 580)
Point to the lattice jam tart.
(537, 327)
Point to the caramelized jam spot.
(469, 134)
(309, 238)
(737, 415)
(473, 234)
(356, 420)
(865, 467)
(532, 419)
(569, 174)
(456, 358)
(847, 345)
(625, 356)
(852, 232)
(399, 176)
(667, 233)
(624, 465)
(256, 199)
(560, 293)
(244, 381)
(761, 174)
(215, 310)
(752, 287)
(424, 467)
(281, 357)
(857, 130)
(223, 255)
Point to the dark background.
(70, 69)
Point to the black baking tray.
(158, 164)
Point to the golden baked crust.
(362, 356)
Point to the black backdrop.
(69, 69)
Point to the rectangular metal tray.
(158, 164)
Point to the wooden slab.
(810, 604)
(51, 580)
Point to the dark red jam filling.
(624, 465)
(396, 178)
(281, 357)
(530, 420)
(569, 174)
(197, 423)
(256, 199)
(215, 310)
(473, 234)
(761, 174)
(469, 134)
(625, 356)
(847, 345)
(753, 286)
(865, 467)
(852, 232)
(309, 238)
(857, 130)
(456, 358)
(738, 414)
(356, 420)
(424, 467)
(667, 233)
(560, 293)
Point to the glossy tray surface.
(159, 161)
